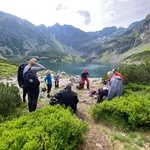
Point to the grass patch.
(7, 70)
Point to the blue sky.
(87, 15)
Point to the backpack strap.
(29, 69)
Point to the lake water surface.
(95, 69)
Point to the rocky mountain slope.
(20, 39)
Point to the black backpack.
(53, 101)
(31, 80)
(20, 77)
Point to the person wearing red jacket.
(84, 77)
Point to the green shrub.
(9, 98)
(52, 127)
(135, 87)
(139, 74)
(128, 112)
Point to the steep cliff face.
(135, 38)
(144, 31)
(131, 46)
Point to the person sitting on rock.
(112, 89)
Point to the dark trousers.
(56, 84)
(33, 98)
(24, 94)
(101, 94)
(49, 86)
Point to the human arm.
(37, 67)
(57, 96)
(81, 75)
(76, 98)
(45, 78)
(88, 74)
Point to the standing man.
(33, 92)
(84, 77)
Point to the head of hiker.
(110, 74)
(85, 70)
(32, 61)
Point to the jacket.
(84, 75)
(119, 74)
(48, 79)
(115, 87)
(67, 97)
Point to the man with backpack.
(32, 83)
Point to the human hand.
(32, 61)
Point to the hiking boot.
(48, 95)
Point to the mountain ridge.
(21, 39)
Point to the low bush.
(52, 127)
(128, 112)
(133, 108)
(9, 98)
(139, 74)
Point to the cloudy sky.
(87, 15)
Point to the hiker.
(33, 90)
(48, 81)
(68, 97)
(56, 80)
(84, 77)
(112, 89)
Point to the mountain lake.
(95, 69)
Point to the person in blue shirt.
(48, 81)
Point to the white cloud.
(109, 3)
(110, 14)
(88, 15)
